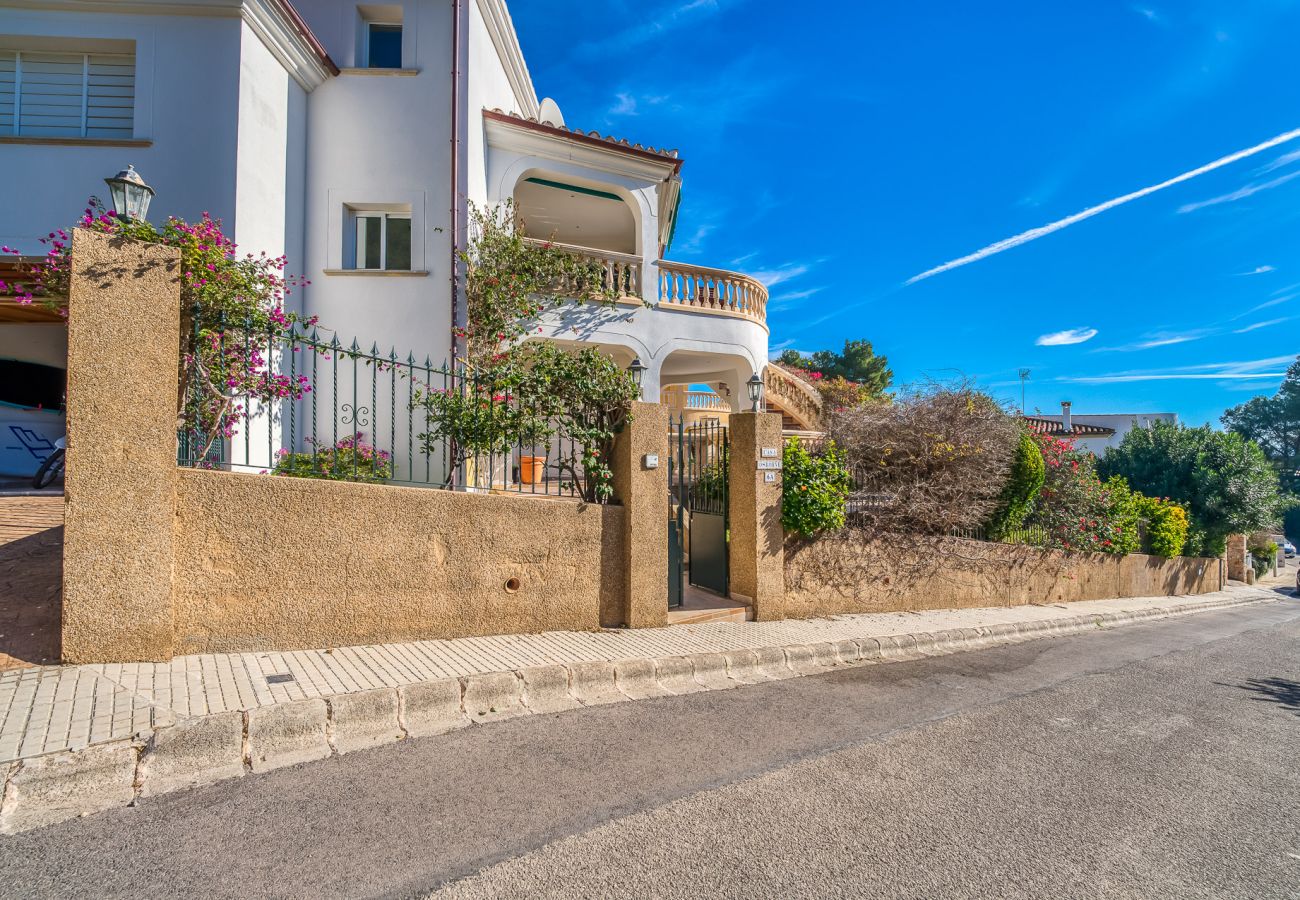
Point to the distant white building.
(1094, 433)
(352, 137)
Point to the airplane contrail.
(1034, 234)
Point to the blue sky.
(839, 150)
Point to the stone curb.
(48, 789)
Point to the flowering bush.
(1076, 510)
(350, 459)
(519, 393)
(815, 489)
(232, 316)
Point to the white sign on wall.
(766, 464)
(771, 453)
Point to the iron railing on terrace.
(362, 417)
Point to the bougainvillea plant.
(510, 392)
(1076, 509)
(232, 320)
(352, 458)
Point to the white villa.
(1095, 433)
(352, 138)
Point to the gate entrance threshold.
(699, 605)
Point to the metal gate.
(698, 456)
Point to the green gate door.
(697, 521)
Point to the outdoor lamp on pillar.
(755, 385)
(131, 195)
(637, 371)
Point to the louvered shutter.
(50, 93)
(8, 68)
(67, 94)
(110, 95)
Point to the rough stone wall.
(123, 329)
(755, 558)
(643, 601)
(849, 573)
(1236, 557)
(283, 563)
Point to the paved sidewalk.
(55, 708)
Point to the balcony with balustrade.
(617, 204)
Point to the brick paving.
(47, 709)
(31, 580)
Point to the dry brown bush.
(932, 461)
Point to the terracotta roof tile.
(1052, 428)
(620, 143)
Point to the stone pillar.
(123, 333)
(757, 555)
(1236, 556)
(643, 491)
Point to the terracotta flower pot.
(532, 469)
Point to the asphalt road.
(1158, 760)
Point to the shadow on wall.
(31, 599)
(1282, 691)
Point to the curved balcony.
(681, 285)
(701, 289)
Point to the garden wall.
(851, 573)
(161, 561)
(280, 563)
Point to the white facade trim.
(502, 30)
(266, 19)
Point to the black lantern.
(637, 371)
(131, 195)
(755, 385)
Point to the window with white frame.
(382, 240)
(53, 93)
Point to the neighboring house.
(352, 138)
(1094, 433)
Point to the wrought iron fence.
(701, 455)
(350, 414)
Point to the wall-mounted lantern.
(755, 386)
(131, 195)
(637, 371)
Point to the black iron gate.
(697, 506)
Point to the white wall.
(35, 342)
(375, 139)
(489, 88)
(186, 101)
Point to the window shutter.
(67, 94)
(51, 94)
(8, 82)
(110, 95)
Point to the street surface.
(1157, 760)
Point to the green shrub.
(351, 459)
(815, 489)
(1262, 558)
(1167, 525)
(1023, 483)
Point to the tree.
(1274, 424)
(858, 364)
(1023, 483)
(1225, 482)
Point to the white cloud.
(1226, 371)
(1160, 339)
(1240, 193)
(1149, 14)
(1267, 324)
(773, 277)
(626, 105)
(1258, 270)
(1034, 234)
(650, 27)
(1069, 336)
(1284, 160)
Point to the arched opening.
(560, 208)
